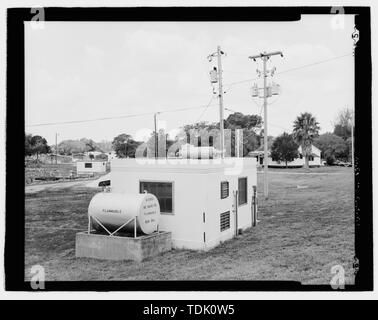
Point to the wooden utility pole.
(56, 148)
(221, 110)
(156, 134)
(265, 56)
(218, 79)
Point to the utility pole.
(221, 111)
(56, 148)
(265, 56)
(218, 79)
(156, 135)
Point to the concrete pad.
(106, 247)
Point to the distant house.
(111, 155)
(314, 159)
(93, 154)
(90, 167)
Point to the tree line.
(334, 145)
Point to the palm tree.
(306, 129)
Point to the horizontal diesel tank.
(115, 209)
(191, 152)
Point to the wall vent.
(225, 221)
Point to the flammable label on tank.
(146, 213)
(112, 210)
(150, 207)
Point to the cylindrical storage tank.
(198, 153)
(114, 209)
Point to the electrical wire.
(203, 112)
(88, 120)
(315, 63)
(118, 117)
(291, 69)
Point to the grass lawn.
(303, 233)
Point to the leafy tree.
(332, 147)
(28, 145)
(251, 142)
(306, 129)
(238, 120)
(284, 148)
(124, 146)
(39, 145)
(201, 125)
(69, 147)
(191, 132)
(89, 145)
(249, 123)
(342, 126)
(104, 146)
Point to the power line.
(89, 120)
(292, 69)
(113, 118)
(203, 112)
(315, 63)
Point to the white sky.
(87, 70)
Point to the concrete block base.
(104, 247)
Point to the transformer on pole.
(268, 91)
(216, 77)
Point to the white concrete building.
(202, 202)
(90, 167)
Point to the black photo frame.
(15, 193)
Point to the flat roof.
(176, 165)
(79, 161)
